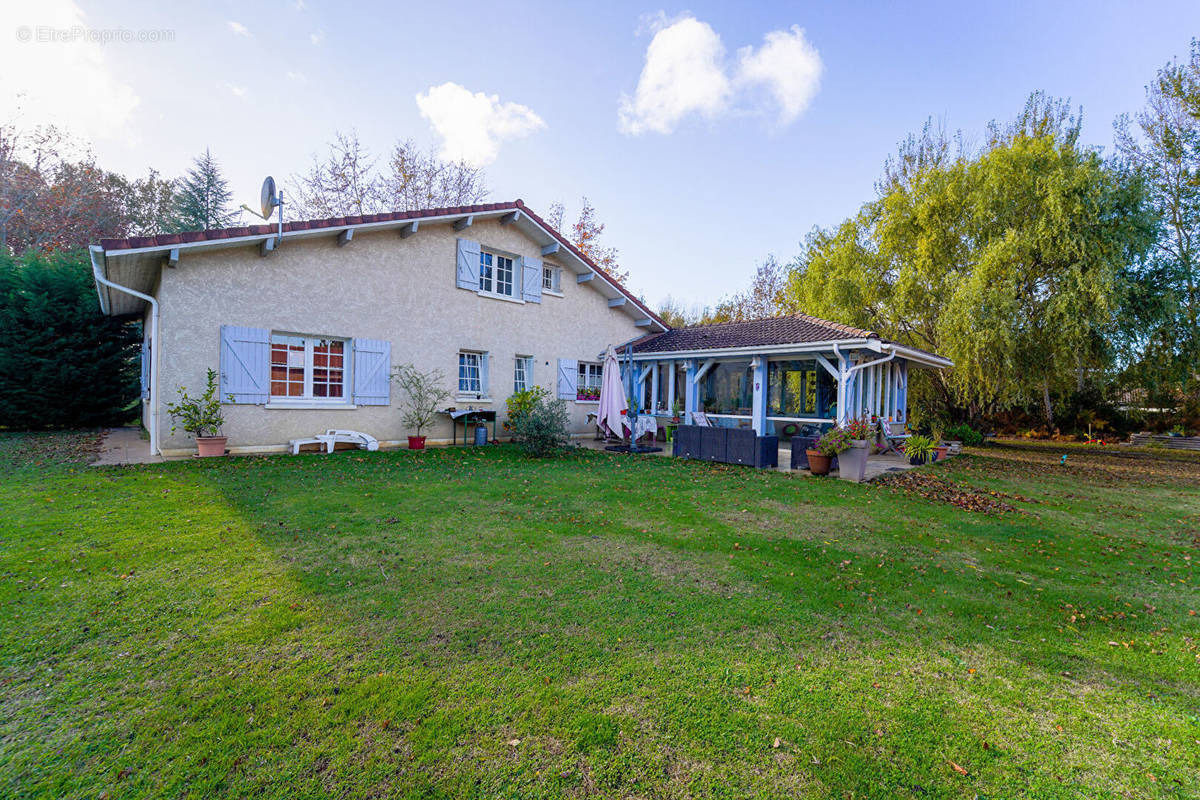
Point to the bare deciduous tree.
(349, 182)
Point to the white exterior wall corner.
(378, 286)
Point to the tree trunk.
(1047, 410)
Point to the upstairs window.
(308, 367)
(551, 280)
(495, 273)
(588, 385)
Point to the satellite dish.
(268, 198)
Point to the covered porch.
(781, 377)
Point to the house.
(306, 325)
(776, 374)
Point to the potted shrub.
(676, 412)
(423, 393)
(820, 458)
(201, 416)
(918, 449)
(852, 462)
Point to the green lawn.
(470, 623)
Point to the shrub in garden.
(541, 429)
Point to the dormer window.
(551, 278)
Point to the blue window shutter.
(531, 279)
(568, 378)
(245, 364)
(372, 372)
(484, 360)
(145, 368)
(468, 265)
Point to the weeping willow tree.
(1004, 259)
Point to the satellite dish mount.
(272, 198)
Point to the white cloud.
(788, 65)
(296, 76)
(66, 81)
(238, 91)
(317, 38)
(239, 28)
(684, 73)
(472, 125)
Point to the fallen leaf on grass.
(776, 743)
(960, 770)
(514, 742)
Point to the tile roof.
(795, 329)
(188, 237)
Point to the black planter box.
(726, 446)
(686, 441)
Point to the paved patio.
(124, 446)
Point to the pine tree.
(63, 364)
(203, 197)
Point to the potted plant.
(918, 449)
(820, 458)
(940, 448)
(201, 416)
(676, 412)
(852, 462)
(423, 393)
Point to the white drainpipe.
(854, 369)
(154, 344)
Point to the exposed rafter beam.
(173, 257)
(464, 223)
(644, 323)
(345, 236)
(705, 367)
(409, 229)
(617, 301)
(267, 246)
(585, 277)
(509, 219)
(550, 249)
(830, 368)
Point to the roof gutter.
(96, 251)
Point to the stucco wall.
(379, 286)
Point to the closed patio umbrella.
(613, 404)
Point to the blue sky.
(737, 154)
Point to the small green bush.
(965, 434)
(542, 429)
(519, 404)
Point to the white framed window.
(473, 368)
(470, 372)
(551, 278)
(312, 368)
(495, 273)
(522, 373)
(587, 387)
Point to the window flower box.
(588, 394)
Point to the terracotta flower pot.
(211, 446)
(818, 464)
(941, 453)
(416, 443)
